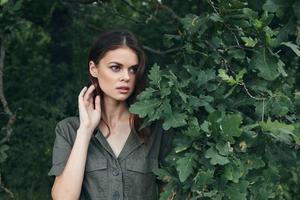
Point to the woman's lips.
(123, 90)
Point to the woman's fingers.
(81, 94)
(97, 103)
(88, 93)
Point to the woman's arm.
(67, 186)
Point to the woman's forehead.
(123, 55)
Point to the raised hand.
(88, 114)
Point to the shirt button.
(115, 172)
(116, 195)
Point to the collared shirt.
(126, 177)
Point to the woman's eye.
(115, 68)
(133, 70)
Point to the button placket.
(116, 195)
(117, 182)
(115, 171)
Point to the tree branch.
(161, 52)
(12, 116)
(168, 9)
(5, 189)
(2, 98)
(7, 111)
(94, 28)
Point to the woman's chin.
(119, 96)
(122, 97)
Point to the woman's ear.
(93, 69)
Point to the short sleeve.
(61, 150)
(165, 145)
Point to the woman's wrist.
(85, 131)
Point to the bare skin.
(115, 69)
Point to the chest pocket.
(94, 164)
(95, 184)
(139, 178)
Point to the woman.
(103, 154)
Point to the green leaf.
(2, 2)
(281, 69)
(240, 75)
(280, 131)
(276, 126)
(281, 105)
(195, 24)
(253, 162)
(234, 171)
(183, 96)
(214, 119)
(144, 108)
(266, 64)
(204, 177)
(165, 90)
(204, 76)
(155, 75)
(275, 5)
(237, 191)
(215, 158)
(230, 126)
(237, 53)
(224, 148)
(250, 13)
(211, 194)
(174, 120)
(225, 77)
(185, 167)
(4, 148)
(205, 127)
(146, 94)
(162, 174)
(249, 41)
(193, 130)
(295, 48)
(215, 17)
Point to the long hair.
(112, 40)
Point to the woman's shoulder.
(70, 122)
(67, 128)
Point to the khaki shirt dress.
(107, 177)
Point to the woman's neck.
(115, 112)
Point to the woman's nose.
(125, 75)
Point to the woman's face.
(116, 73)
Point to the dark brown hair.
(112, 40)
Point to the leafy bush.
(230, 95)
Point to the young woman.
(103, 154)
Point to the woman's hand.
(88, 115)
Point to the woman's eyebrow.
(113, 62)
(136, 65)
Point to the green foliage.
(235, 70)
